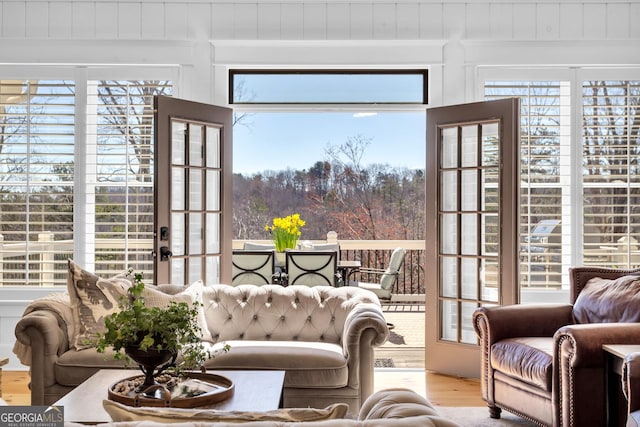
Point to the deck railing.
(44, 262)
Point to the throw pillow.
(609, 300)
(92, 298)
(120, 412)
(191, 294)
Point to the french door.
(192, 192)
(472, 216)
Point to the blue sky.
(275, 141)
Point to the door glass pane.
(469, 279)
(195, 145)
(177, 270)
(195, 233)
(195, 268)
(490, 188)
(195, 189)
(449, 234)
(177, 143)
(212, 270)
(490, 140)
(213, 147)
(177, 234)
(469, 232)
(449, 147)
(468, 334)
(489, 279)
(449, 279)
(469, 146)
(213, 233)
(449, 191)
(449, 330)
(213, 190)
(177, 189)
(469, 191)
(490, 235)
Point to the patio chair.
(388, 276)
(252, 267)
(312, 268)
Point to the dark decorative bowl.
(152, 362)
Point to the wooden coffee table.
(254, 391)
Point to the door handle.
(165, 253)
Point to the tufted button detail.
(321, 337)
(241, 336)
(230, 317)
(282, 317)
(269, 299)
(268, 336)
(216, 337)
(244, 298)
(297, 300)
(295, 338)
(255, 317)
(333, 318)
(308, 318)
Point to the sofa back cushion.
(273, 312)
(609, 300)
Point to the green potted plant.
(153, 336)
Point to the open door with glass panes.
(192, 192)
(471, 238)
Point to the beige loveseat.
(323, 337)
(386, 408)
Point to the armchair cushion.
(530, 359)
(609, 300)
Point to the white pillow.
(191, 294)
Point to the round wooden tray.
(194, 389)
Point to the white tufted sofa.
(322, 336)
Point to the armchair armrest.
(579, 379)
(581, 344)
(520, 320)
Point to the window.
(544, 139)
(76, 177)
(328, 86)
(611, 151)
(607, 222)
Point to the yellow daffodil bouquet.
(285, 231)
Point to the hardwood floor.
(440, 389)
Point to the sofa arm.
(579, 381)
(364, 328)
(41, 337)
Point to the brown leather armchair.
(544, 363)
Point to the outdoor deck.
(405, 347)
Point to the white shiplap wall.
(201, 38)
